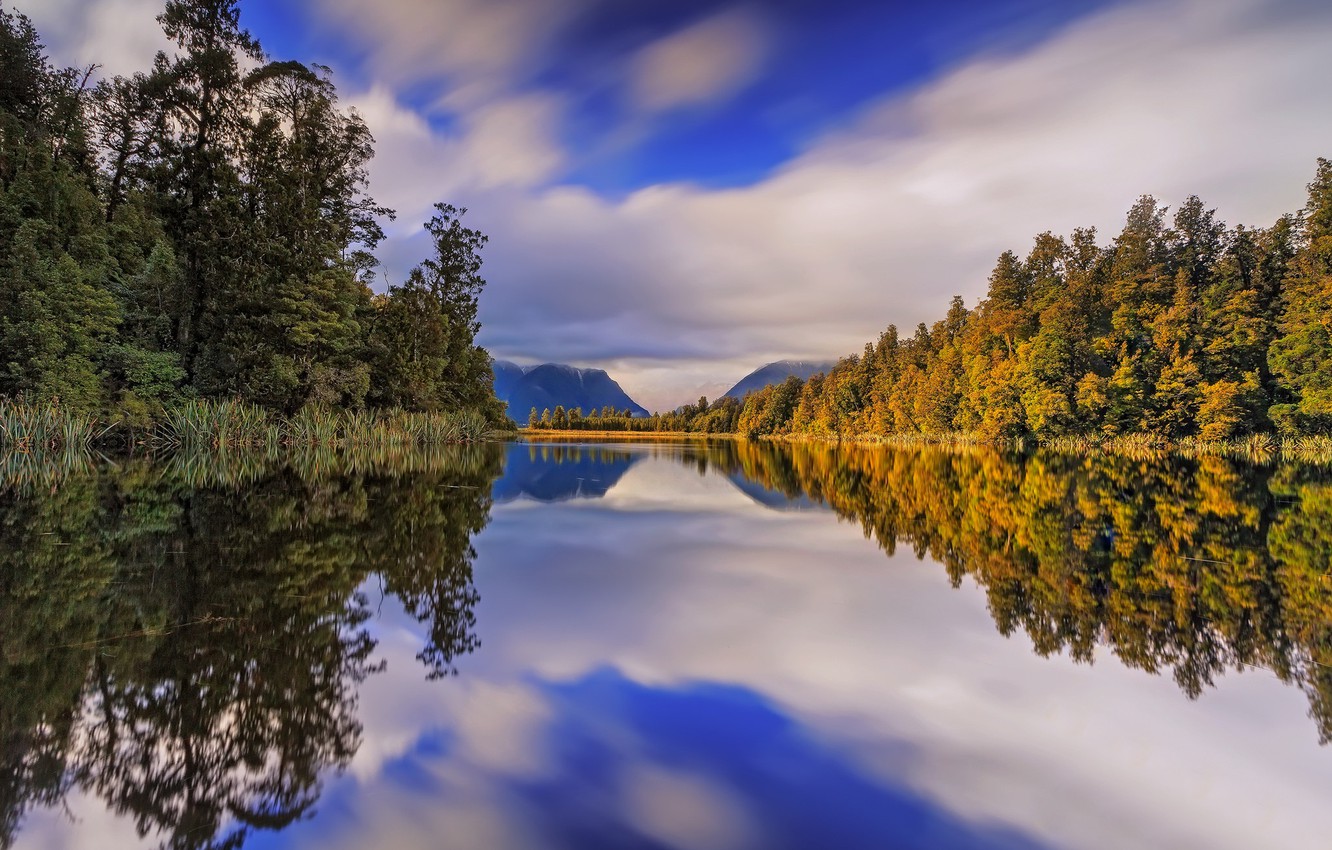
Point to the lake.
(668, 645)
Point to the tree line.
(1179, 328)
(201, 229)
(703, 418)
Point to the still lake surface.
(695, 645)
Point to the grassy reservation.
(230, 424)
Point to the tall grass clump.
(317, 427)
(213, 424)
(220, 424)
(1313, 449)
(202, 424)
(31, 427)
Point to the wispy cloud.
(121, 36)
(702, 63)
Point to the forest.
(1180, 329)
(201, 231)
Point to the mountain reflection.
(1195, 566)
(186, 640)
(555, 473)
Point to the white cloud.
(509, 142)
(479, 46)
(680, 810)
(121, 36)
(701, 63)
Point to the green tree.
(422, 339)
(1301, 355)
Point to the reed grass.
(27, 427)
(201, 424)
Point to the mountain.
(507, 376)
(775, 373)
(551, 385)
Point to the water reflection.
(199, 644)
(1187, 566)
(190, 652)
(554, 473)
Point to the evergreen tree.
(1301, 355)
(202, 229)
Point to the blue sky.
(817, 64)
(681, 190)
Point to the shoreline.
(1257, 448)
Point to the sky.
(679, 191)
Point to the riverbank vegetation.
(1179, 331)
(201, 232)
(199, 424)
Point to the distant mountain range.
(775, 373)
(552, 385)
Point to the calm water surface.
(665, 646)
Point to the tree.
(422, 339)
(207, 113)
(291, 334)
(1301, 356)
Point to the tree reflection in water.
(1195, 566)
(187, 641)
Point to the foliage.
(202, 230)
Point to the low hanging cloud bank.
(679, 290)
